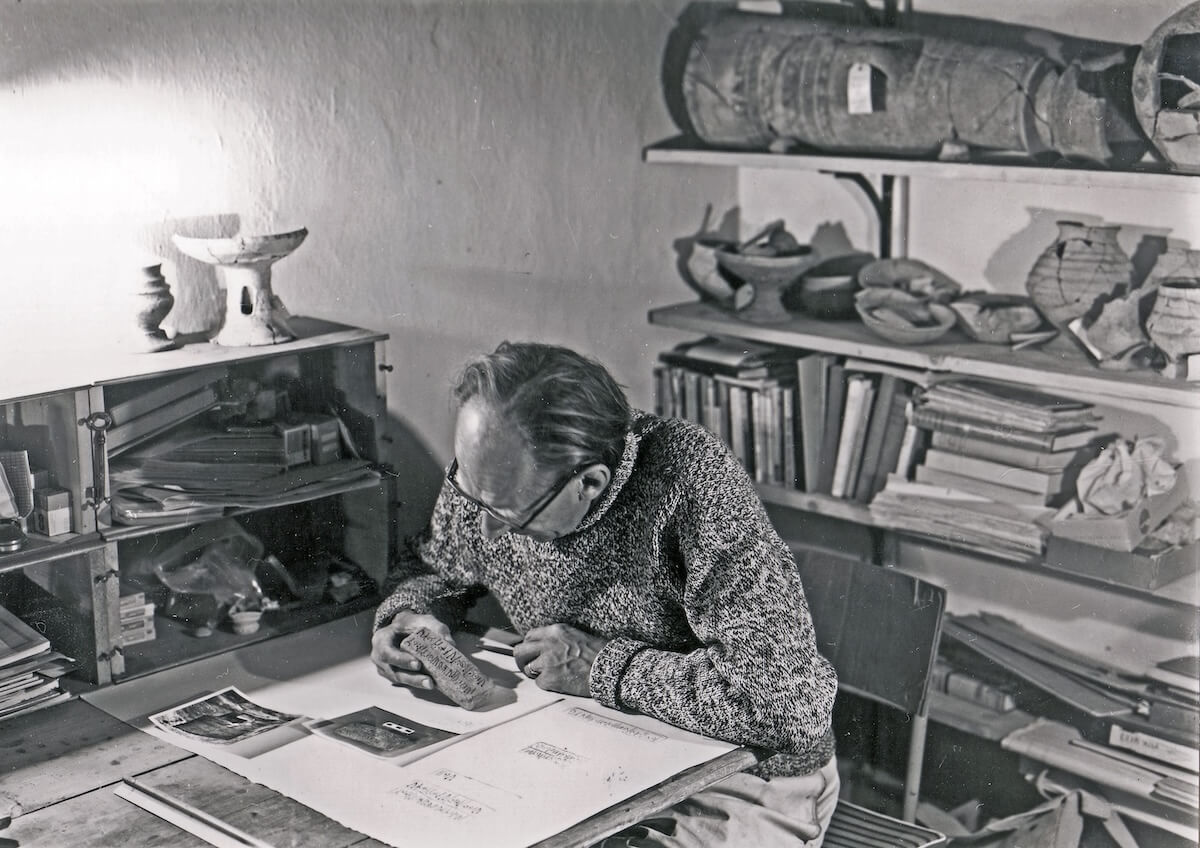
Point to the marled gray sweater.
(678, 565)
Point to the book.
(793, 470)
(731, 357)
(1046, 483)
(812, 377)
(931, 419)
(892, 444)
(741, 428)
(1155, 747)
(912, 442)
(724, 429)
(1009, 404)
(946, 678)
(662, 391)
(163, 393)
(691, 396)
(975, 486)
(760, 415)
(1017, 455)
(163, 418)
(859, 391)
(831, 428)
(18, 640)
(859, 488)
(1180, 672)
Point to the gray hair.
(567, 407)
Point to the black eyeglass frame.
(537, 507)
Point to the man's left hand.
(559, 657)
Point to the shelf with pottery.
(1151, 177)
(1057, 366)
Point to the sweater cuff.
(604, 683)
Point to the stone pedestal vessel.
(253, 315)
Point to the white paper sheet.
(531, 775)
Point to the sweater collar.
(620, 474)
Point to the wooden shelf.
(64, 368)
(1057, 366)
(40, 549)
(975, 719)
(681, 151)
(119, 532)
(175, 644)
(820, 504)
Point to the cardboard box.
(52, 522)
(1139, 569)
(51, 499)
(1126, 531)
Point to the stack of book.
(796, 419)
(29, 669)
(744, 393)
(1096, 722)
(854, 423)
(992, 459)
(137, 619)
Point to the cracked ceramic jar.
(1174, 321)
(1083, 264)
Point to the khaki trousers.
(743, 810)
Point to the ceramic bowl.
(826, 290)
(767, 270)
(903, 318)
(241, 250)
(910, 275)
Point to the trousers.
(743, 810)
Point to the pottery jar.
(1174, 321)
(1083, 264)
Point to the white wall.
(468, 172)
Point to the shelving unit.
(69, 585)
(1057, 366)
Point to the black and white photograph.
(801, 396)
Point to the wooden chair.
(880, 628)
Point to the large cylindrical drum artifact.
(753, 80)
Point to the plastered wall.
(467, 171)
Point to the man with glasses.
(635, 558)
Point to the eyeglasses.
(535, 509)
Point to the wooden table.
(58, 768)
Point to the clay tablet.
(452, 670)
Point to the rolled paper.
(451, 670)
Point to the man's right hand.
(401, 667)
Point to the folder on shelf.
(124, 436)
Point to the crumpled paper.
(1180, 528)
(1124, 475)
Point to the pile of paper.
(1007, 531)
(29, 669)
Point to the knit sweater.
(678, 565)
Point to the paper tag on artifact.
(858, 89)
(450, 668)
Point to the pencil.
(188, 811)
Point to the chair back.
(879, 627)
